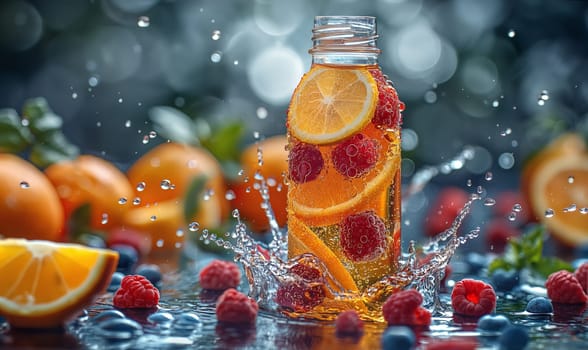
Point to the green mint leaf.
(224, 141)
(174, 125)
(53, 148)
(35, 108)
(193, 196)
(14, 137)
(549, 265)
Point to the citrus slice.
(44, 284)
(340, 195)
(330, 104)
(302, 240)
(560, 184)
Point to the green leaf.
(549, 265)
(14, 137)
(224, 142)
(35, 108)
(193, 197)
(174, 125)
(52, 149)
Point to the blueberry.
(539, 305)
(108, 315)
(514, 338)
(493, 323)
(505, 281)
(119, 329)
(115, 281)
(476, 262)
(398, 338)
(127, 257)
(581, 251)
(149, 271)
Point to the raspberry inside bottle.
(344, 159)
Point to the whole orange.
(273, 167)
(94, 181)
(29, 205)
(162, 178)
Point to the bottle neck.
(344, 40)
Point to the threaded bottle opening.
(344, 35)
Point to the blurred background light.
(21, 25)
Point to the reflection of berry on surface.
(355, 156)
(444, 210)
(473, 298)
(304, 293)
(404, 308)
(453, 344)
(136, 292)
(348, 323)
(363, 236)
(220, 275)
(305, 163)
(235, 307)
(563, 287)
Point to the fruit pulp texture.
(341, 210)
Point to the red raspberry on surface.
(136, 292)
(235, 307)
(563, 287)
(473, 298)
(355, 156)
(305, 163)
(453, 344)
(444, 210)
(362, 236)
(220, 275)
(304, 293)
(348, 323)
(387, 114)
(582, 276)
(404, 308)
(498, 233)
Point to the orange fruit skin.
(34, 212)
(544, 185)
(179, 164)
(275, 166)
(95, 181)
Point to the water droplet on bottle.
(584, 210)
(571, 179)
(549, 213)
(127, 124)
(261, 113)
(104, 220)
(141, 186)
(153, 217)
(230, 195)
(489, 202)
(25, 185)
(517, 208)
(511, 33)
(143, 21)
(122, 200)
(165, 184)
(216, 34)
(216, 57)
(193, 226)
(136, 201)
(570, 209)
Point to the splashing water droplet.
(216, 34)
(165, 184)
(261, 113)
(506, 131)
(511, 33)
(93, 81)
(180, 233)
(127, 124)
(489, 202)
(122, 200)
(120, 100)
(235, 213)
(488, 176)
(74, 95)
(104, 220)
(208, 193)
(241, 172)
(141, 186)
(152, 134)
(512, 216)
(571, 179)
(549, 213)
(469, 183)
(230, 195)
(25, 185)
(495, 103)
(570, 208)
(193, 226)
(143, 21)
(543, 97)
(517, 208)
(584, 210)
(145, 139)
(216, 57)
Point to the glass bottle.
(344, 185)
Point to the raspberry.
(235, 307)
(136, 292)
(498, 233)
(582, 276)
(473, 298)
(305, 163)
(355, 156)
(220, 275)
(348, 323)
(387, 114)
(404, 308)
(363, 236)
(304, 293)
(444, 210)
(563, 287)
(453, 344)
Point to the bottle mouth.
(344, 33)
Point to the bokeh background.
(502, 76)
